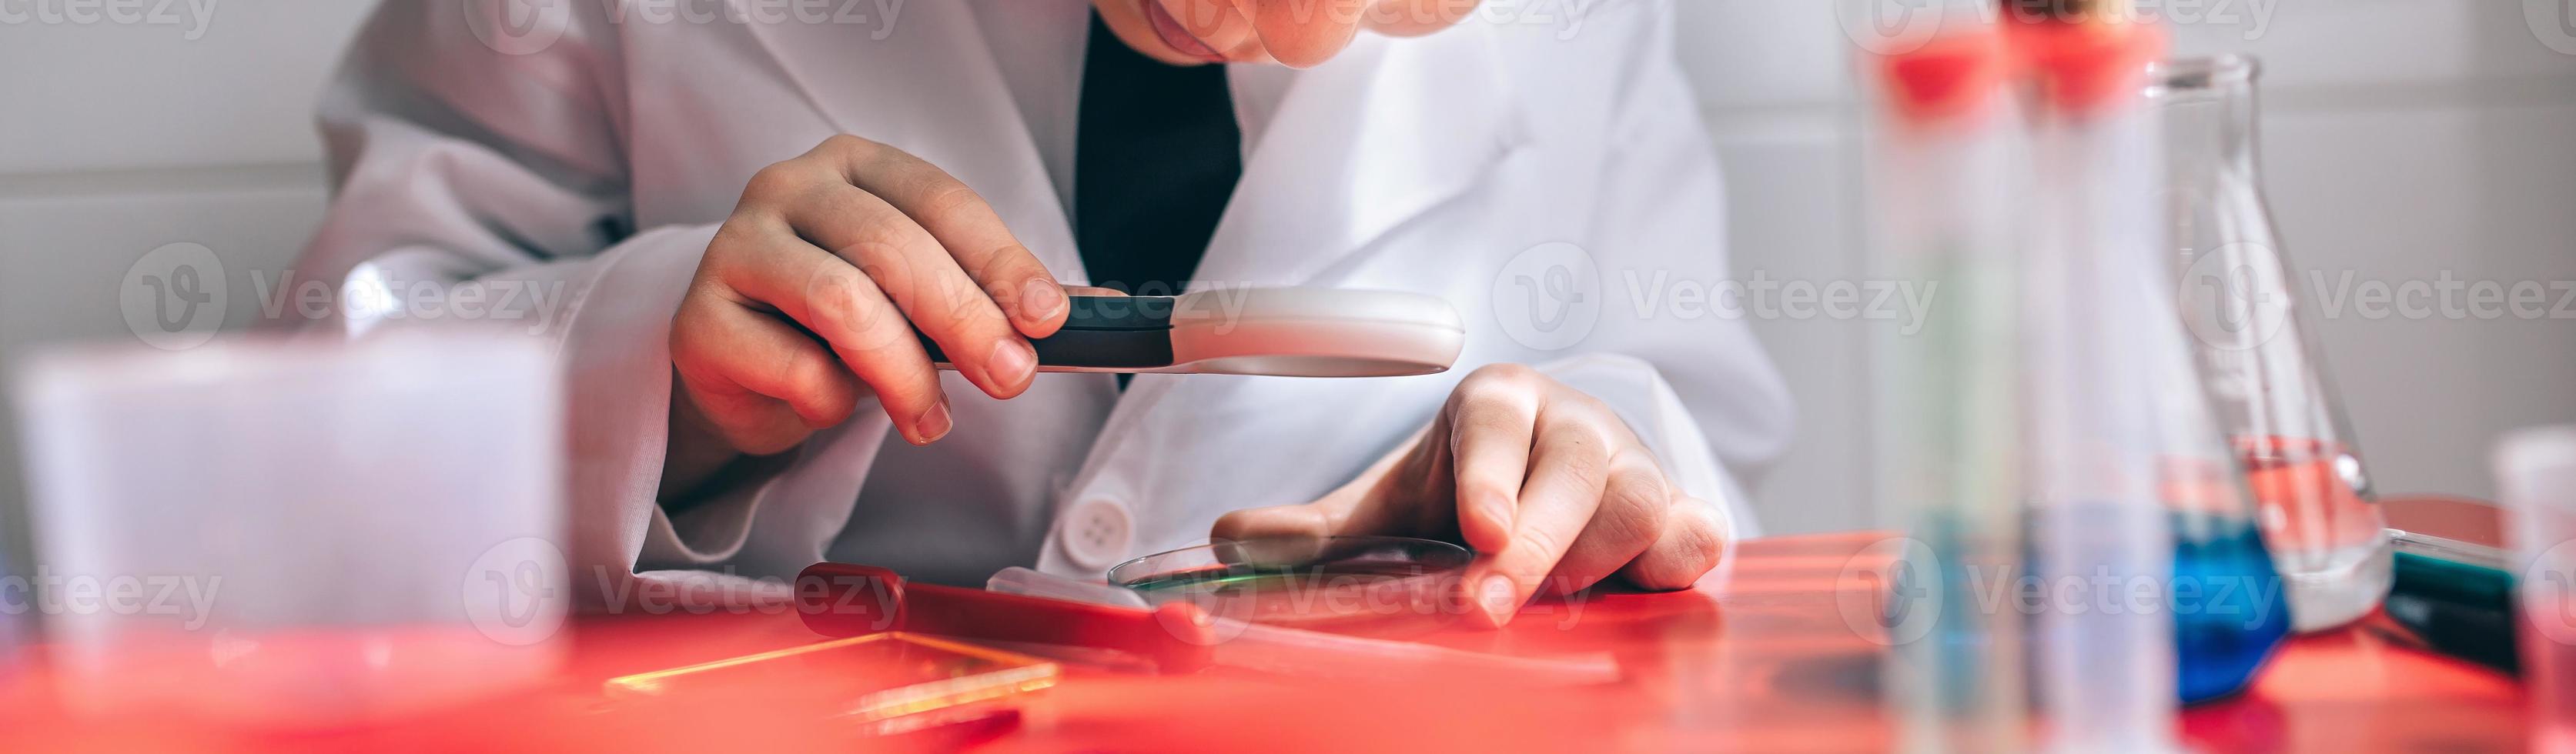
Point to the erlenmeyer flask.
(2132, 473)
(2258, 360)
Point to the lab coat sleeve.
(464, 174)
(1695, 386)
(1642, 398)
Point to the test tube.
(2101, 543)
(2536, 473)
(1946, 419)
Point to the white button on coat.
(1096, 533)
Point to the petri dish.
(1380, 586)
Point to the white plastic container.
(294, 533)
(2536, 472)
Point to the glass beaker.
(2259, 361)
(2536, 477)
(312, 533)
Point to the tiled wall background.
(2403, 138)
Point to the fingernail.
(1041, 300)
(1501, 599)
(1011, 365)
(932, 425)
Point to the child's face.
(1297, 33)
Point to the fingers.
(1276, 521)
(760, 382)
(844, 307)
(1569, 470)
(1692, 543)
(1634, 505)
(1413, 18)
(921, 279)
(1490, 418)
(1299, 34)
(966, 227)
(1362, 507)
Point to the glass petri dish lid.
(1355, 585)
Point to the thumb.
(1309, 520)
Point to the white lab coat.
(594, 170)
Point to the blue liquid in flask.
(2228, 606)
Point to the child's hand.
(811, 290)
(1548, 485)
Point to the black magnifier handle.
(1100, 334)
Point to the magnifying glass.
(1281, 332)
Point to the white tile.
(1789, 218)
(2406, 196)
(63, 259)
(108, 95)
(2385, 44)
(1763, 53)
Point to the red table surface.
(1762, 661)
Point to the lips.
(1176, 35)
